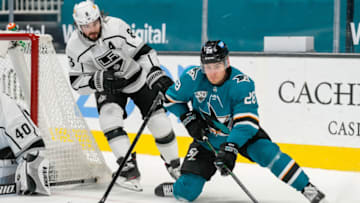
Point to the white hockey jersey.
(17, 130)
(116, 45)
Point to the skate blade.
(133, 185)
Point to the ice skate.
(174, 168)
(129, 177)
(164, 190)
(313, 194)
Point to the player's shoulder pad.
(116, 20)
(241, 84)
(116, 23)
(74, 46)
(192, 73)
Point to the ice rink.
(340, 187)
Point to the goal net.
(31, 74)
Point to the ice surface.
(340, 187)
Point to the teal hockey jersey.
(230, 109)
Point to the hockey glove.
(158, 80)
(195, 125)
(106, 81)
(226, 157)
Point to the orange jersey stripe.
(282, 177)
(239, 117)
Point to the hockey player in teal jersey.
(224, 110)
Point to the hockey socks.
(287, 170)
(280, 164)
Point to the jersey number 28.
(251, 99)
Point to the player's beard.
(95, 34)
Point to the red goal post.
(34, 67)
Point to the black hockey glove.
(226, 157)
(158, 80)
(195, 125)
(106, 81)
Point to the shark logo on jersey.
(193, 73)
(241, 78)
(201, 95)
(219, 125)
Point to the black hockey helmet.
(214, 51)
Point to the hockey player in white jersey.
(22, 162)
(107, 59)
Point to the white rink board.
(306, 122)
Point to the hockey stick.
(232, 174)
(6, 189)
(146, 119)
(72, 182)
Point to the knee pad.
(264, 152)
(111, 116)
(188, 187)
(159, 124)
